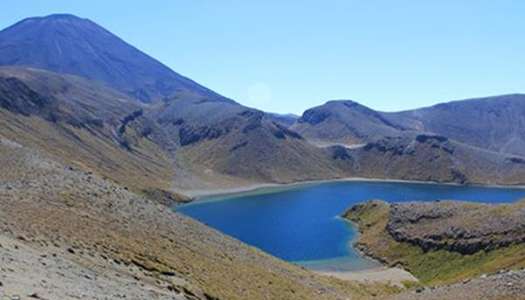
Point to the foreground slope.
(506, 285)
(100, 240)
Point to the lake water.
(301, 224)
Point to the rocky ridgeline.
(457, 226)
(402, 146)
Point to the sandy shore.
(393, 276)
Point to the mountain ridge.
(66, 43)
(494, 123)
(104, 153)
(206, 141)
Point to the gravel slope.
(505, 285)
(102, 230)
(52, 274)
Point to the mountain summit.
(65, 43)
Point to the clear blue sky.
(286, 56)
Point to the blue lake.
(301, 224)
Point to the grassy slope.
(433, 267)
(51, 207)
(145, 168)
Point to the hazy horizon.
(288, 57)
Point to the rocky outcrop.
(313, 117)
(281, 132)
(189, 135)
(424, 157)
(346, 122)
(17, 97)
(442, 242)
(457, 226)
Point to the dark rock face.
(238, 146)
(345, 122)
(313, 117)
(340, 153)
(517, 160)
(166, 198)
(494, 123)
(423, 138)
(436, 142)
(389, 145)
(400, 146)
(127, 122)
(128, 119)
(458, 176)
(424, 157)
(247, 121)
(281, 132)
(286, 120)
(456, 226)
(251, 120)
(17, 97)
(68, 44)
(190, 135)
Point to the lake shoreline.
(319, 189)
(263, 188)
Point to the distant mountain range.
(72, 89)
(493, 123)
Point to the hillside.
(442, 242)
(98, 140)
(344, 122)
(223, 144)
(429, 158)
(192, 143)
(187, 138)
(71, 45)
(85, 124)
(492, 123)
(70, 234)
